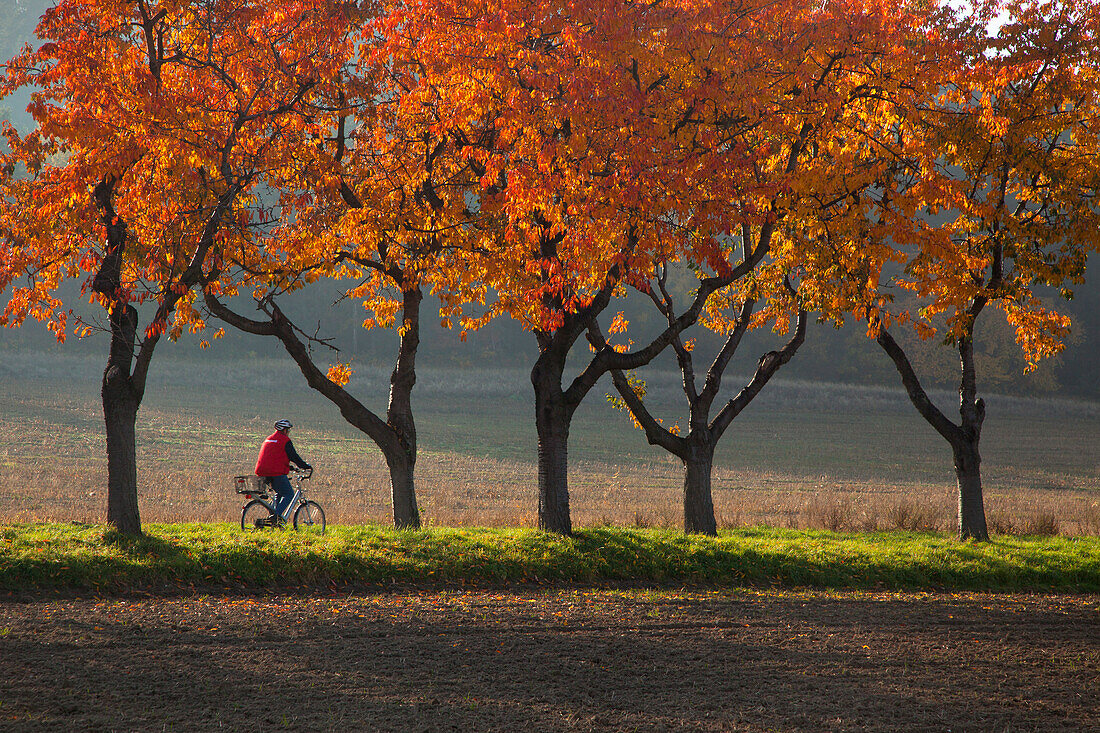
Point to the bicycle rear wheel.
(309, 517)
(256, 516)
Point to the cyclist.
(276, 455)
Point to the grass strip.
(93, 558)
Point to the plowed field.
(552, 660)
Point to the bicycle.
(259, 512)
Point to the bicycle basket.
(250, 484)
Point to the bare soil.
(553, 660)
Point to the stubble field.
(832, 456)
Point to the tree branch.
(949, 430)
(714, 374)
(655, 433)
(282, 328)
(766, 368)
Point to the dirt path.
(553, 660)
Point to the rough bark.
(552, 420)
(121, 397)
(399, 416)
(972, 523)
(555, 404)
(698, 498)
(968, 461)
(406, 514)
(120, 407)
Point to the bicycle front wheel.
(255, 516)
(309, 517)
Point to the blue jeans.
(283, 493)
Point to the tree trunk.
(971, 505)
(965, 446)
(120, 406)
(399, 415)
(406, 515)
(552, 419)
(554, 476)
(698, 499)
(963, 438)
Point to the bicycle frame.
(305, 512)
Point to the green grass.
(37, 558)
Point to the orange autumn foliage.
(181, 107)
(609, 137)
(986, 192)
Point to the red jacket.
(273, 460)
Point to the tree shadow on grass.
(142, 545)
(624, 555)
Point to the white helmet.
(282, 424)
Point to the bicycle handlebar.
(303, 472)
